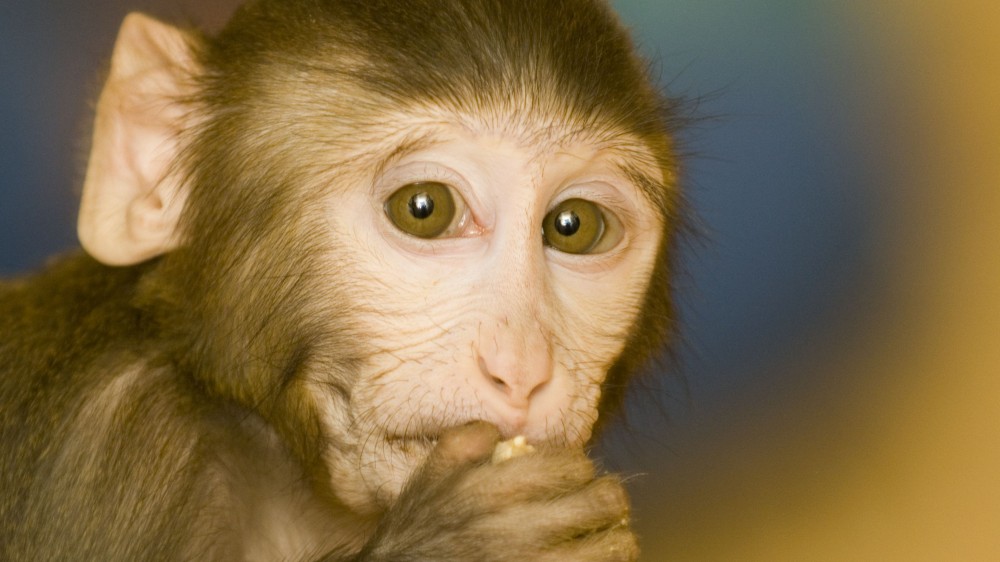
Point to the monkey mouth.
(412, 445)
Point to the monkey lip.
(412, 444)
(420, 432)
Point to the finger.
(612, 545)
(461, 446)
(531, 478)
(601, 505)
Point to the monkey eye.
(578, 226)
(422, 209)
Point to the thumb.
(460, 446)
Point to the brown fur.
(147, 465)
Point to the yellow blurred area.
(909, 467)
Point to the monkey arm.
(112, 468)
(106, 456)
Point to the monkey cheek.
(386, 465)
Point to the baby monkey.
(333, 255)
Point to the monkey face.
(385, 234)
(509, 307)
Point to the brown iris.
(575, 226)
(422, 209)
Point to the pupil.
(567, 223)
(421, 206)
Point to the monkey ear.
(132, 197)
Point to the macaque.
(332, 255)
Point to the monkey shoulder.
(66, 314)
(94, 427)
(59, 332)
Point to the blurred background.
(836, 393)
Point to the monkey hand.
(548, 505)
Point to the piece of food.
(511, 448)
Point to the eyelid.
(604, 192)
(413, 172)
(419, 171)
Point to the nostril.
(538, 388)
(498, 382)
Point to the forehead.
(539, 137)
(350, 129)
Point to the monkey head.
(367, 226)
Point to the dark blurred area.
(835, 394)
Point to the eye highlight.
(422, 209)
(578, 226)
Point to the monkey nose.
(511, 386)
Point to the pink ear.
(131, 199)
